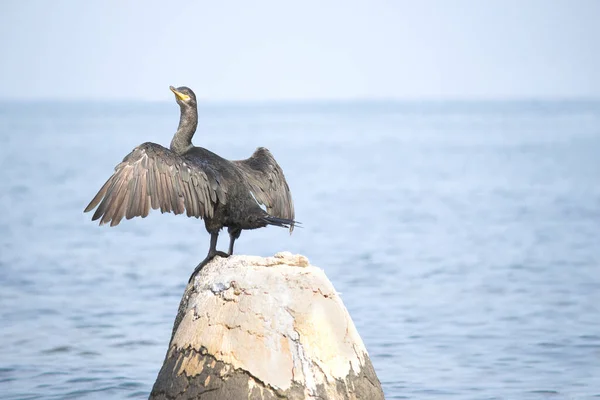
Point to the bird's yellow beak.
(181, 96)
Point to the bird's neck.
(182, 140)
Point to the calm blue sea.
(464, 238)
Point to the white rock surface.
(276, 320)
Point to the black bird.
(191, 179)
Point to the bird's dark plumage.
(190, 179)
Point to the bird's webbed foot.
(208, 259)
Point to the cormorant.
(199, 182)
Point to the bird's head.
(184, 96)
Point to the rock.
(264, 328)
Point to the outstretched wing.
(267, 183)
(154, 176)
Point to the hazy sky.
(265, 50)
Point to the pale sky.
(272, 50)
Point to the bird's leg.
(234, 233)
(212, 252)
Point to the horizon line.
(331, 100)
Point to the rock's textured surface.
(264, 328)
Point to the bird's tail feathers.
(281, 222)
